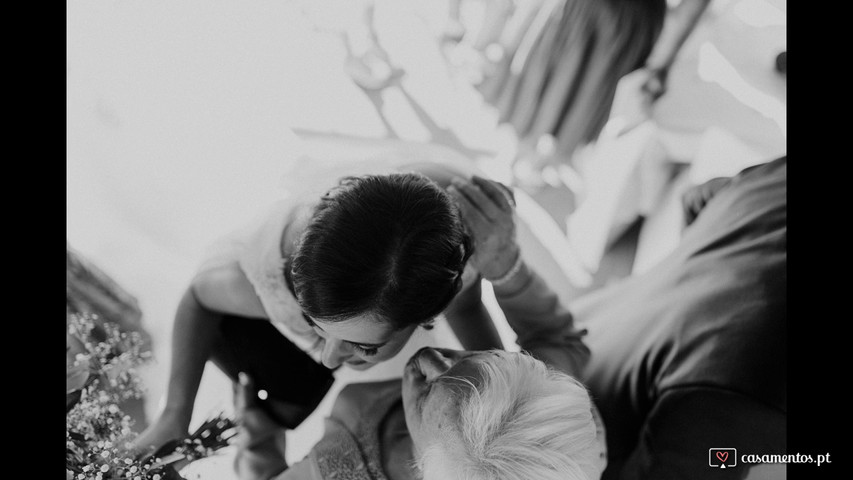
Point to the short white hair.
(525, 421)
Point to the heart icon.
(723, 456)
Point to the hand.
(250, 417)
(654, 84)
(166, 428)
(635, 95)
(260, 441)
(696, 197)
(487, 211)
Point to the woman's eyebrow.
(366, 345)
(363, 345)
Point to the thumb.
(245, 393)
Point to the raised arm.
(680, 22)
(544, 327)
(466, 315)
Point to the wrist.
(657, 67)
(178, 415)
(501, 266)
(515, 283)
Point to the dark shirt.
(691, 355)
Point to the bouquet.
(100, 376)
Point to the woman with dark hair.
(317, 284)
(454, 415)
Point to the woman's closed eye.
(368, 351)
(338, 331)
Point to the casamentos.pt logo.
(722, 457)
(728, 458)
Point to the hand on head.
(487, 211)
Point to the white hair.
(525, 421)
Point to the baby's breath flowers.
(98, 433)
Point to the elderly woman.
(460, 414)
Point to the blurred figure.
(367, 63)
(475, 51)
(552, 73)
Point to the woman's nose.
(335, 352)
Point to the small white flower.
(105, 468)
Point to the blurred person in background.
(553, 71)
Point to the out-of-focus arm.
(545, 328)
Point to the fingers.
(245, 394)
(500, 194)
(478, 198)
(474, 219)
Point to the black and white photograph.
(428, 240)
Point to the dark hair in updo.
(390, 245)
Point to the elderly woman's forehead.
(444, 409)
(464, 377)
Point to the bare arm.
(197, 320)
(192, 337)
(544, 327)
(679, 24)
(466, 315)
(471, 322)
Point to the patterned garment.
(350, 448)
